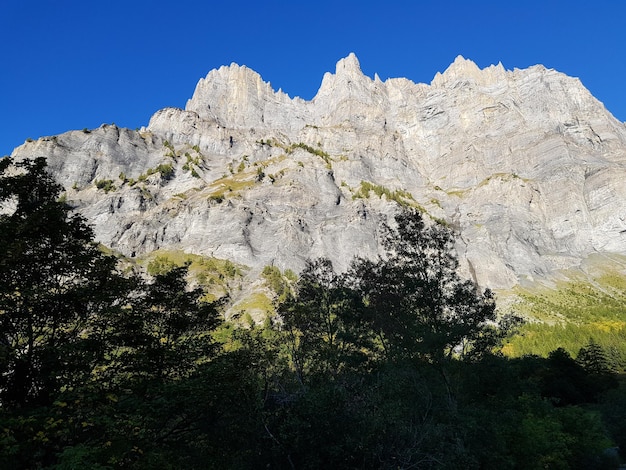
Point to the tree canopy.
(54, 282)
(392, 364)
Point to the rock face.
(526, 165)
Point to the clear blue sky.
(74, 64)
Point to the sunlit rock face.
(525, 165)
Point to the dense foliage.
(393, 364)
(575, 312)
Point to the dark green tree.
(600, 376)
(165, 331)
(54, 282)
(416, 302)
(365, 343)
(593, 359)
(157, 377)
(322, 322)
(563, 379)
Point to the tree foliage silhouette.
(53, 282)
(392, 364)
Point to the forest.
(397, 363)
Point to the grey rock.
(526, 165)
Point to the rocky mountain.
(526, 165)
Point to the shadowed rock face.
(526, 165)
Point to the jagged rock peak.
(232, 75)
(465, 69)
(236, 96)
(347, 74)
(349, 66)
(462, 66)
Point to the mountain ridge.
(526, 165)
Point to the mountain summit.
(526, 165)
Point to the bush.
(105, 185)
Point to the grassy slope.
(580, 307)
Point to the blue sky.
(77, 64)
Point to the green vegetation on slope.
(401, 197)
(213, 274)
(289, 149)
(572, 313)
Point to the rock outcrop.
(526, 165)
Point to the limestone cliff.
(526, 165)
